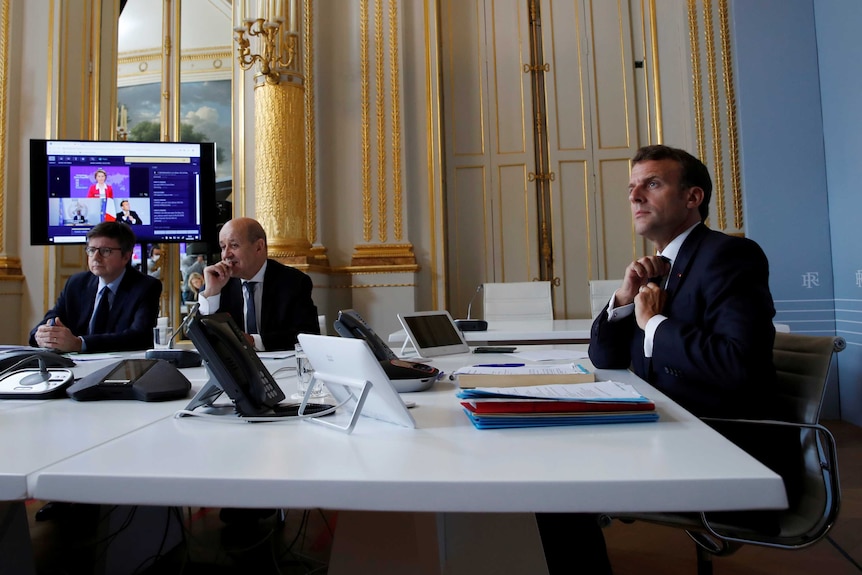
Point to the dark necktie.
(99, 322)
(250, 310)
(661, 281)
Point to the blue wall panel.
(800, 123)
(784, 178)
(840, 47)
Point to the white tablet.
(344, 365)
(433, 333)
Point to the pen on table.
(499, 365)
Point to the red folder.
(491, 406)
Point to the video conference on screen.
(160, 196)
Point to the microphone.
(184, 324)
(472, 324)
(178, 357)
(41, 376)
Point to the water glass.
(305, 376)
(161, 337)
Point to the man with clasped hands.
(81, 321)
(694, 320)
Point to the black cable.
(158, 554)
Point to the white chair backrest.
(601, 292)
(518, 301)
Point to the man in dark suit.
(694, 320)
(128, 215)
(112, 307)
(270, 302)
(705, 336)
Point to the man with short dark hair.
(694, 320)
(269, 301)
(127, 215)
(112, 307)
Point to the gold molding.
(379, 79)
(656, 76)
(310, 121)
(697, 87)
(191, 55)
(365, 105)
(385, 255)
(715, 116)
(4, 102)
(395, 79)
(359, 271)
(732, 133)
(10, 267)
(433, 129)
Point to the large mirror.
(148, 80)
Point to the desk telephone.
(351, 324)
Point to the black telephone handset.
(238, 368)
(351, 324)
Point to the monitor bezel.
(39, 193)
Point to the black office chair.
(802, 364)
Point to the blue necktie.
(250, 310)
(99, 321)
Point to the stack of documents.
(519, 375)
(554, 405)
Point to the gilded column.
(280, 197)
(9, 266)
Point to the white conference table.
(556, 331)
(524, 332)
(441, 485)
(39, 433)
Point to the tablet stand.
(404, 347)
(343, 389)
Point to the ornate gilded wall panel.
(381, 140)
(714, 105)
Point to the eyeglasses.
(104, 252)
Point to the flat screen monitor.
(164, 190)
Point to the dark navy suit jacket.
(286, 307)
(713, 355)
(133, 314)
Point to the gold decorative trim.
(656, 76)
(354, 286)
(697, 88)
(715, 115)
(365, 104)
(394, 80)
(732, 132)
(4, 156)
(191, 55)
(433, 129)
(380, 86)
(384, 255)
(10, 267)
(46, 291)
(310, 122)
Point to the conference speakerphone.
(141, 379)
